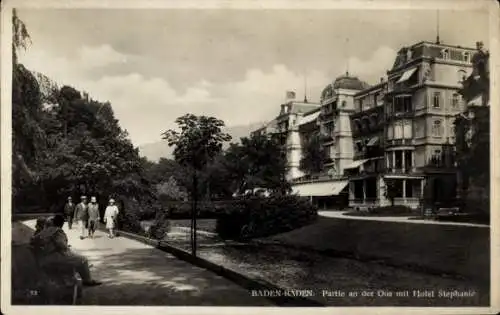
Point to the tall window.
(455, 100)
(360, 105)
(436, 100)
(390, 132)
(436, 158)
(461, 75)
(437, 128)
(452, 131)
(418, 130)
(407, 104)
(407, 130)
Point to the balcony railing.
(439, 164)
(399, 114)
(314, 178)
(400, 170)
(399, 142)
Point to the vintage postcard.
(249, 157)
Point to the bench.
(63, 282)
(35, 284)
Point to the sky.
(156, 65)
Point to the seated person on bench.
(53, 250)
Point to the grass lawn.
(449, 249)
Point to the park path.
(134, 273)
(340, 215)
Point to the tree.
(257, 162)
(20, 35)
(170, 190)
(472, 146)
(314, 156)
(217, 179)
(75, 146)
(199, 140)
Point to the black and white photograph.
(247, 156)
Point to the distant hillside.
(156, 150)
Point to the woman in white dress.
(110, 217)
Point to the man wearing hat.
(69, 211)
(81, 215)
(94, 216)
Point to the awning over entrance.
(356, 163)
(373, 141)
(408, 73)
(320, 189)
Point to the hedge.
(253, 217)
(206, 210)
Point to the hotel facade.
(397, 135)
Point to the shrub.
(161, 226)
(206, 210)
(255, 216)
(130, 222)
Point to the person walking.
(110, 217)
(94, 216)
(81, 215)
(69, 211)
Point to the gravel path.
(137, 274)
(402, 219)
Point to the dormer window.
(466, 56)
(462, 74)
(409, 55)
(445, 54)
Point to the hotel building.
(398, 133)
(416, 135)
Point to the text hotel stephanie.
(442, 294)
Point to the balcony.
(399, 115)
(313, 179)
(399, 142)
(401, 171)
(438, 164)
